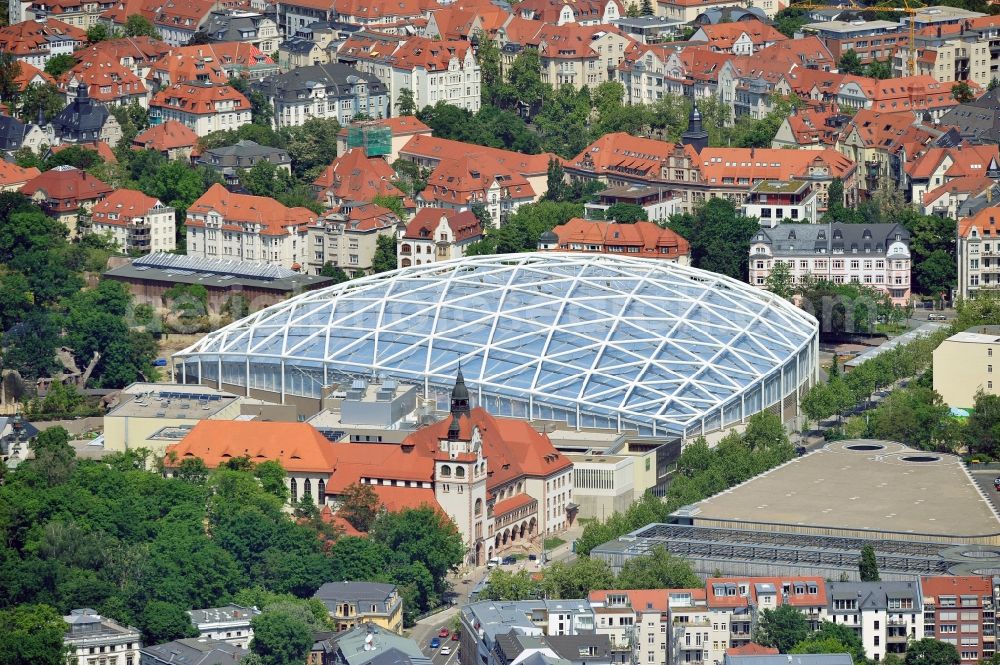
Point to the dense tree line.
(142, 548)
(701, 472)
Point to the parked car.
(509, 560)
(443, 633)
(435, 642)
(494, 562)
(934, 316)
(446, 651)
(160, 362)
(996, 483)
(532, 557)
(454, 636)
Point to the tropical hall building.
(579, 340)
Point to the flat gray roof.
(187, 402)
(857, 486)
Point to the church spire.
(695, 136)
(459, 397)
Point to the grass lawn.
(553, 542)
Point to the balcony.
(896, 638)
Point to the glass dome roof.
(656, 344)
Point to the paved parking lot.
(984, 479)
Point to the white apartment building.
(231, 624)
(240, 227)
(790, 201)
(91, 639)
(978, 252)
(876, 255)
(202, 108)
(137, 223)
(433, 70)
(884, 614)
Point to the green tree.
(555, 181)
(850, 63)
(98, 32)
(936, 274)
(405, 103)
(272, 478)
(779, 280)
(163, 622)
(929, 651)
(525, 79)
(423, 536)
(626, 213)
(878, 69)
(137, 25)
(647, 8)
(15, 299)
(192, 470)
(577, 579)
(76, 156)
(834, 638)
(10, 69)
(488, 58)
(657, 570)
(32, 635)
(503, 585)
(337, 273)
(782, 628)
(360, 506)
(312, 146)
(790, 20)
(59, 65)
(982, 429)
(913, 415)
(719, 236)
(393, 203)
(40, 97)
(385, 254)
(962, 92)
(868, 565)
(280, 639)
(261, 111)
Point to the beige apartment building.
(966, 363)
(948, 53)
(978, 251)
(576, 55)
(348, 238)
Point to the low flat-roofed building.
(230, 624)
(831, 492)
(603, 484)
(366, 412)
(353, 604)
(659, 203)
(193, 651)
(648, 29)
(871, 40)
(777, 201)
(259, 285)
(145, 410)
(797, 659)
(963, 366)
(89, 633)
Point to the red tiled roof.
(620, 150)
(30, 37)
(987, 221)
(12, 174)
(107, 80)
(777, 584)
(199, 99)
(956, 585)
(655, 600)
(751, 649)
(464, 225)
(511, 447)
(298, 446)
(125, 204)
(67, 184)
(723, 36)
(368, 217)
(966, 160)
(652, 241)
(207, 62)
(355, 177)
(431, 147)
(273, 217)
(166, 136)
(969, 185)
(137, 50)
(513, 503)
(30, 74)
(768, 163)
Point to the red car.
(454, 636)
(444, 632)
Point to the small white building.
(230, 624)
(136, 222)
(203, 108)
(91, 638)
(775, 202)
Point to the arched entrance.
(479, 553)
(532, 525)
(524, 528)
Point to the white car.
(445, 651)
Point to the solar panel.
(193, 264)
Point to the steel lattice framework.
(596, 340)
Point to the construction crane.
(910, 66)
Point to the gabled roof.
(166, 136)
(298, 446)
(769, 163)
(208, 63)
(122, 206)
(810, 126)
(182, 14)
(432, 147)
(429, 54)
(549, 11)
(107, 80)
(573, 41)
(354, 177)
(619, 149)
(723, 36)
(464, 225)
(30, 74)
(273, 217)
(797, 594)
(12, 174)
(338, 80)
(650, 240)
(366, 217)
(30, 37)
(963, 160)
(137, 50)
(987, 221)
(751, 649)
(968, 185)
